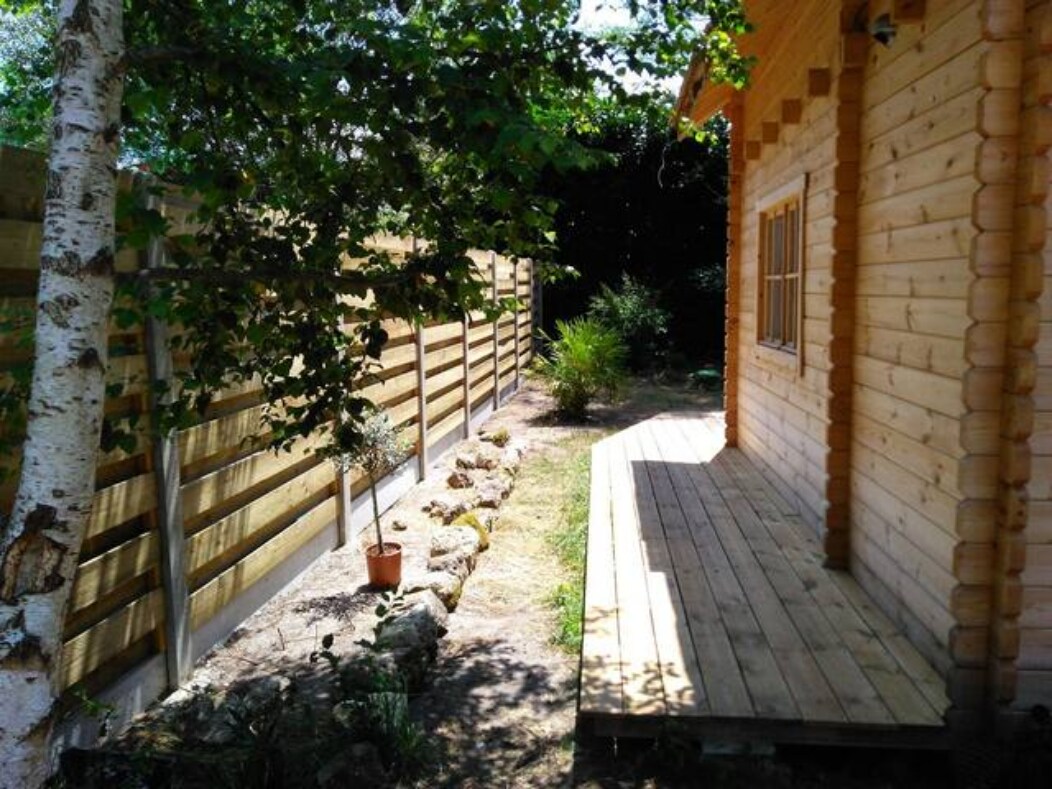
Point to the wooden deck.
(707, 607)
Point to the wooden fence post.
(465, 347)
(515, 316)
(421, 393)
(165, 449)
(536, 307)
(496, 335)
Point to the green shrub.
(633, 312)
(500, 437)
(586, 362)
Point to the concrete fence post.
(168, 479)
(496, 334)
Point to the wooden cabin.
(889, 312)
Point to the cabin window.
(781, 269)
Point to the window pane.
(791, 306)
(777, 225)
(775, 323)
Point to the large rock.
(459, 479)
(459, 564)
(446, 586)
(472, 519)
(454, 539)
(417, 623)
(473, 454)
(448, 506)
(511, 459)
(493, 489)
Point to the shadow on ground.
(487, 710)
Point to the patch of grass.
(569, 542)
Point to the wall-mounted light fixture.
(883, 29)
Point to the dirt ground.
(499, 706)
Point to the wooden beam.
(515, 317)
(496, 334)
(753, 149)
(769, 132)
(908, 11)
(792, 111)
(421, 397)
(466, 370)
(819, 82)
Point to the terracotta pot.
(385, 571)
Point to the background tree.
(302, 128)
(655, 210)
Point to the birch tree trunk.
(38, 551)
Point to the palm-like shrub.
(585, 362)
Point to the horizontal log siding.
(1033, 250)
(783, 410)
(911, 473)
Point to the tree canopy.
(305, 127)
(299, 129)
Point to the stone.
(446, 586)
(459, 564)
(472, 519)
(364, 669)
(459, 479)
(511, 459)
(454, 539)
(474, 455)
(447, 506)
(399, 525)
(493, 490)
(418, 622)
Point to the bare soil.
(499, 705)
(500, 701)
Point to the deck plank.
(643, 689)
(685, 689)
(810, 687)
(756, 668)
(600, 688)
(856, 694)
(707, 602)
(898, 692)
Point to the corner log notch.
(853, 49)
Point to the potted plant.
(378, 450)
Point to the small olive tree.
(378, 450)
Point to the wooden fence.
(190, 534)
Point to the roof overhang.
(699, 97)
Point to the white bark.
(38, 551)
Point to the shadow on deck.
(708, 610)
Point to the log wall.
(928, 319)
(921, 457)
(783, 400)
(244, 520)
(1028, 599)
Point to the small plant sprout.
(378, 449)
